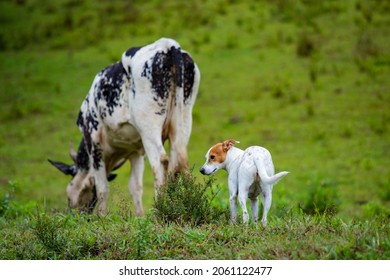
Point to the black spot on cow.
(87, 139)
(146, 72)
(161, 75)
(189, 76)
(110, 86)
(132, 51)
(91, 121)
(103, 112)
(82, 157)
(80, 120)
(97, 156)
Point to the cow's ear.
(111, 177)
(64, 168)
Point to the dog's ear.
(227, 144)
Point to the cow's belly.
(124, 136)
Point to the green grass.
(306, 79)
(292, 235)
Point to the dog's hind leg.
(242, 197)
(245, 181)
(255, 209)
(267, 200)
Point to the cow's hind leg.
(178, 161)
(157, 156)
(179, 134)
(135, 182)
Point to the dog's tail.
(264, 177)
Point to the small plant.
(10, 207)
(322, 198)
(4, 203)
(142, 239)
(49, 232)
(6, 196)
(183, 201)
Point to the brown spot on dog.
(218, 152)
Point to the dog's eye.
(212, 157)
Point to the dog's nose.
(202, 171)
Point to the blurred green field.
(309, 80)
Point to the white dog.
(250, 173)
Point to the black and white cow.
(132, 107)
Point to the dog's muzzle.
(204, 172)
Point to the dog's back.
(261, 159)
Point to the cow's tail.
(264, 177)
(178, 66)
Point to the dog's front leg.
(233, 191)
(233, 208)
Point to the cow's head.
(81, 190)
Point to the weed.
(142, 238)
(9, 206)
(50, 233)
(184, 201)
(5, 201)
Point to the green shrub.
(183, 201)
(322, 198)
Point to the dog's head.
(216, 156)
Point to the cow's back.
(164, 82)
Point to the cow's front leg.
(99, 174)
(135, 182)
(102, 190)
